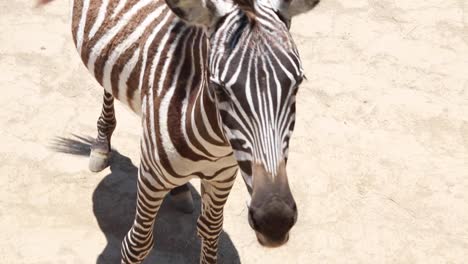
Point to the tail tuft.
(74, 145)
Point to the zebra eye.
(222, 88)
(221, 91)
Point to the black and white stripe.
(211, 98)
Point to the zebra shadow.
(114, 201)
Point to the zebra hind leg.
(182, 199)
(101, 148)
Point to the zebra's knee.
(107, 122)
(209, 228)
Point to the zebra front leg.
(101, 148)
(210, 222)
(139, 240)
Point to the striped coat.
(214, 83)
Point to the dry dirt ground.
(378, 164)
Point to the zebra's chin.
(271, 243)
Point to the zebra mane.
(248, 6)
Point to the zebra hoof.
(183, 202)
(98, 161)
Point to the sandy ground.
(378, 164)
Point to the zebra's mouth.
(272, 211)
(271, 243)
(269, 239)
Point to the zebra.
(214, 83)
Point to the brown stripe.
(134, 22)
(91, 15)
(176, 104)
(163, 159)
(76, 16)
(118, 68)
(133, 81)
(125, 57)
(107, 24)
(150, 57)
(128, 5)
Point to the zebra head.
(255, 72)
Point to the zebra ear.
(200, 12)
(290, 8)
(298, 7)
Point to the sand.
(378, 162)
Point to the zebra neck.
(205, 118)
(184, 97)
